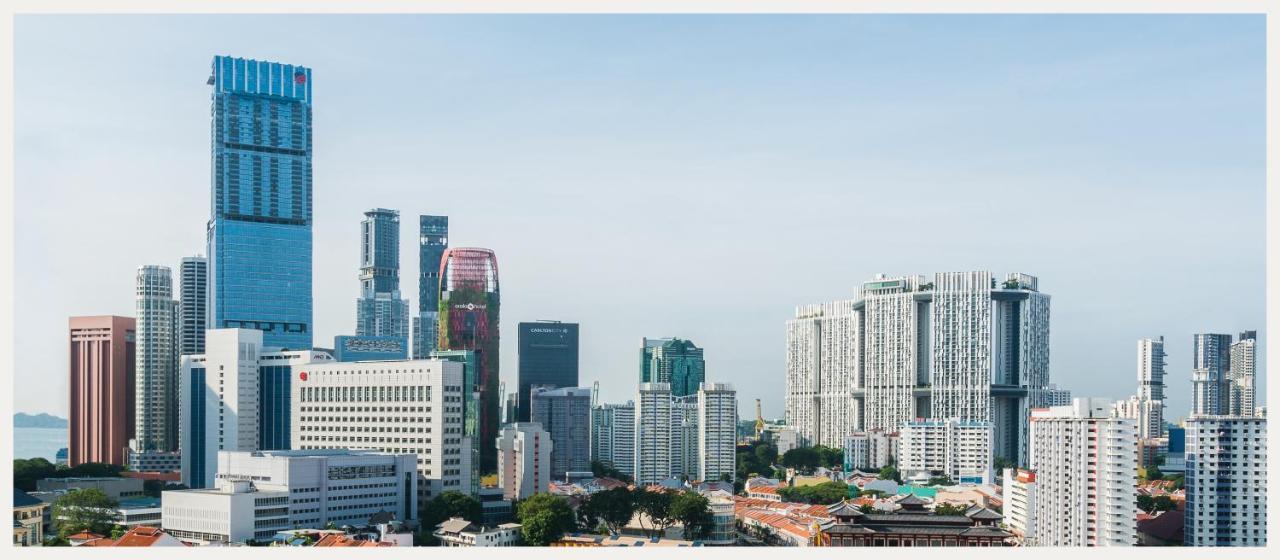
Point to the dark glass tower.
(548, 356)
(469, 302)
(259, 230)
(433, 240)
(675, 361)
(379, 310)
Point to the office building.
(259, 230)
(101, 388)
(156, 361)
(822, 373)
(237, 396)
(961, 345)
(261, 493)
(383, 315)
(413, 406)
(613, 436)
(958, 449)
(653, 444)
(565, 413)
(1055, 396)
(369, 348)
(469, 305)
(433, 241)
(380, 311)
(1086, 474)
(548, 356)
(673, 361)
(1226, 481)
(1210, 367)
(1242, 374)
(524, 460)
(717, 428)
(1019, 503)
(193, 303)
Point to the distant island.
(42, 420)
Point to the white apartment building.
(871, 450)
(1147, 415)
(257, 494)
(653, 443)
(613, 436)
(235, 397)
(395, 406)
(1019, 496)
(1226, 480)
(718, 431)
(1244, 368)
(1210, 372)
(960, 449)
(524, 460)
(962, 345)
(822, 372)
(1086, 474)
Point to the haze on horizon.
(690, 176)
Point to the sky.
(689, 176)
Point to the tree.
(803, 459)
(941, 480)
(613, 507)
(27, 471)
(889, 472)
(756, 459)
(657, 507)
(446, 505)
(1144, 502)
(544, 519)
(693, 511)
(866, 508)
(1163, 503)
(829, 457)
(825, 493)
(1153, 473)
(602, 470)
(86, 509)
(949, 509)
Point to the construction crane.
(759, 420)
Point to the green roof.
(920, 491)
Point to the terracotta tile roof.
(343, 540)
(84, 536)
(1167, 526)
(141, 535)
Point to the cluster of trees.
(825, 494)
(1152, 504)
(890, 472)
(602, 470)
(440, 508)
(87, 509)
(27, 471)
(1152, 472)
(806, 459)
(546, 518)
(949, 509)
(756, 459)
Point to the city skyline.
(738, 289)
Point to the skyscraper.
(156, 360)
(1244, 366)
(1150, 409)
(1226, 458)
(433, 240)
(653, 446)
(674, 361)
(469, 305)
(1210, 365)
(380, 311)
(259, 230)
(193, 304)
(959, 346)
(613, 436)
(565, 413)
(1086, 476)
(101, 388)
(548, 356)
(717, 430)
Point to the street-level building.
(1226, 481)
(408, 406)
(258, 494)
(458, 532)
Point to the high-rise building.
(193, 304)
(1151, 357)
(1244, 364)
(259, 230)
(433, 240)
(156, 361)
(960, 450)
(717, 431)
(469, 305)
(822, 373)
(411, 406)
(259, 494)
(1146, 415)
(613, 436)
(959, 346)
(1019, 498)
(102, 389)
(1210, 366)
(684, 437)
(653, 445)
(470, 405)
(1055, 396)
(676, 362)
(872, 450)
(565, 413)
(379, 310)
(1226, 481)
(1086, 475)
(524, 460)
(236, 397)
(548, 356)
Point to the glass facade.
(273, 416)
(433, 240)
(196, 400)
(675, 361)
(469, 305)
(470, 411)
(259, 235)
(548, 355)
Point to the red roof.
(335, 539)
(141, 535)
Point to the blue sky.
(692, 176)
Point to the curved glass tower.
(469, 321)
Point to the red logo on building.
(302, 375)
(299, 78)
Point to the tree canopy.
(602, 470)
(27, 471)
(693, 511)
(544, 519)
(86, 509)
(890, 472)
(826, 493)
(656, 506)
(446, 505)
(613, 507)
(756, 459)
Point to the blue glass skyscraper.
(259, 230)
(433, 240)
